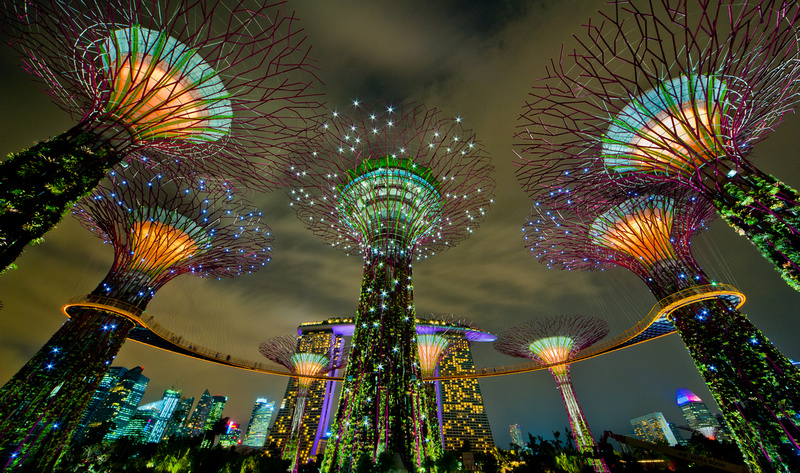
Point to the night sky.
(472, 59)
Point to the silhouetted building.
(258, 428)
(653, 428)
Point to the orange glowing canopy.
(162, 89)
(308, 364)
(551, 350)
(637, 228)
(163, 240)
(431, 348)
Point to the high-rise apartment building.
(653, 428)
(197, 422)
(258, 428)
(121, 403)
(324, 338)
(697, 414)
(516, 435)
(461, 409)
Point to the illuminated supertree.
(755, 386)
(676, 91)
(203, 87)
(554, 341)
(159, 229)
(283, 351)
(394, 184)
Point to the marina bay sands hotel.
(462, 414)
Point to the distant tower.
(653, 428)
(516, 435)
(321, 338)
(176, 426)
(121, 403)
(168, 403)
(197, 422)
(110, 379)
(554, 342)
(258, 427)
(232, 435)
(697, 414)
(215, 410)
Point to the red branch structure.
(391, 184)
(680, 92)
(220, 88)
(159, 229)
(754, 384)
(555, 341)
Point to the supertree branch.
(555, 341)
(284, 351)
(754, 384)
(159, 229)
(678, 92)
(393, 184)
(222, 88)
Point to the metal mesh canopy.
(400, 178)
(224, 86)
(161, 228)
(662, 89)
(283, 351)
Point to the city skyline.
(488, 278)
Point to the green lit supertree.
(284, 351)
(214, 88)
(678, 92)
(393, 184)
(159, 229)
(754, 384)
(554, 342)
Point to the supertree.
(755, 386)
(284, 351)
(676, 91)
(159, 229)
(222, 88)
(393, 184)
(554, 341)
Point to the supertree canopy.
(754, 384)
(283, 351)
(159, 229)
(393, 184)
(218, 89)
(554, 341)
(676, 91)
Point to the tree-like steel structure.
(284, 351)
(159, 229)
(222, 88)
(676, 91)
(754, 384)
(554, 341)
(393, 184)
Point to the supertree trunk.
(382, 406)
(756, 387)
(580, 428)
(38, 185)
(765, 210)
(291, 449)
(43, 403)
(431, 400)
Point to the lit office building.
(121, 403)
(516, 435)
(653, 428)
(258, 428)
(176, 424)
(197, 422)
(697, 414)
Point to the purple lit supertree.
(554, 341)
(218, 89)
(754, 384)
(393, 184)
(285, 351)
(679, 92)
(159, 229)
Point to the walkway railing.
(660, 312)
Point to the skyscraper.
(197, 422)
(324, 338)
(121, 403)
(167, 406)
(516, 435)
(215, 411)
(653, 428)
(697, 414)
(110, 379)
(176, 426)
(258, 427)
(231, 436)
(461, 410)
